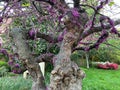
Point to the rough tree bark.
(29, 61)
(66, 74)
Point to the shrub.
(3, 71)
(108, 66)
(3, 63)
(3, 57)
(104, 54)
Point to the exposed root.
(66, 78)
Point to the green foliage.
(102, 54)
(48, 67)
(3, 57)
(10, 74)
(3, 71)
(38, 47)
(47, 78)
(111, 3)
(107, 53)
(4, 68)
(25, 3)
(3, 63)
(54, 49)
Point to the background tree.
(68, 28)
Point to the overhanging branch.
(98, 29)
(48, 38)
(48, 57)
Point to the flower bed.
(108, 65)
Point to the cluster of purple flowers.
(15, 66)
(1, 19)
(75, 12)
(102, 3)
(60, 38)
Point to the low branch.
(47, 1)
(48, 57)
(48, 38)
(36, 8)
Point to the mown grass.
(96, 79)
(15, 83)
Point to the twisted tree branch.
(98, 29)
(48, 57)
(48, 38)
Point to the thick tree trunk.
(66, 74)
(29, 61)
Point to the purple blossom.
(107, 1)
(10, 62)
(19, 71)
(102, 3)
(14, 71)
(60, 37)
(102, 0)
(3, 51)
(97, 46)
(100, 6)
(51, 10)
(111, 22)
(11, 56)
(60, 17)
(75, 12)
(87, 49)
(54, 1)
(113, 30)
(17, 65)
(101, 39)
(32, 33)
(1, 19)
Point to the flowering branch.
(98, 28)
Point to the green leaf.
(111, 3)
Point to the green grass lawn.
(96, 79)
(15, 83)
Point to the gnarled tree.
(67, 27)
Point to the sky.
(114, 11)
